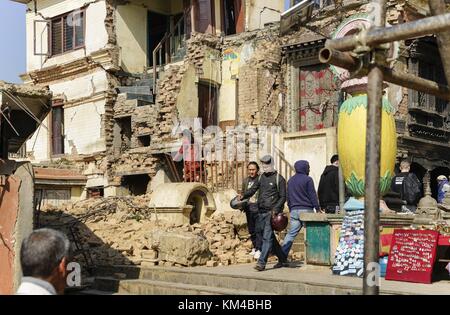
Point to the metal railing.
(220, 175)
(171, 43)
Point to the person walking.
(301, 197)
(251, 210)
(408, 186)
(271, 188)
(328, 190)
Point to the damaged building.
(124, 74)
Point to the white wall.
(82, 123)
(96, 36)
(39, 143)
(255, 19)
(81, 87)
(131, 30)
(82, 128)
(317, 147)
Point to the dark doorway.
(57, 130)
(233, 16)
(207, 104)
(95, 192)
(124, 124)
(136, 184)
(158, 26)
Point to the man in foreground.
(43, 257)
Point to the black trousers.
(253, 228)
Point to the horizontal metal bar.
(378, 36)
(347, 61)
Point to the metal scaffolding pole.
(373, 139)
(375, 37)
(438, 7)
(353, 64)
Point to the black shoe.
(281, 264)
(259, 267)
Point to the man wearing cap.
(271, 188)
(443, 187)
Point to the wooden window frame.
(61, 19)
(56, 103)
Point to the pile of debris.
(124, 230)
(229, 239)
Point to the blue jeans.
(270, 242)
(295, 227)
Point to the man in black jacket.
(328, 190)
(251, 211)
(272, 196)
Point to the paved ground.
(317, 275)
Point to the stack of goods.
(350, 251)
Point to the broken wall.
(261, 12)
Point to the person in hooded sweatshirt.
(301, 197)
(271, 188)
(328, 190)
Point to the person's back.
(301, 191)
(301, 198)
(408, 186)
(328, 190)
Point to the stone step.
(109, 284)
(152, 287)
(251, 282)
(94, 292)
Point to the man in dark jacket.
(272, 196)
(329, 186)
(407, 185)
(251, 211)
(301, 197)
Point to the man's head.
(335, 160)
(405, 166)
(44, 255)
(267, 164)
(441, 178)
(252, 169)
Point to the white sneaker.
(252, 253)
(257, 254)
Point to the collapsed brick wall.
(166, 101)
(196, 52)
(121, 230)
(260, 78)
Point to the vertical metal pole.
(438, 7)
(341, 190)
(373, 139)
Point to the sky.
(12, 41)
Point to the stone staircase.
(188, 281)
(142, 91)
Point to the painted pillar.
(16, 220)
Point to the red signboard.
(412, 256)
